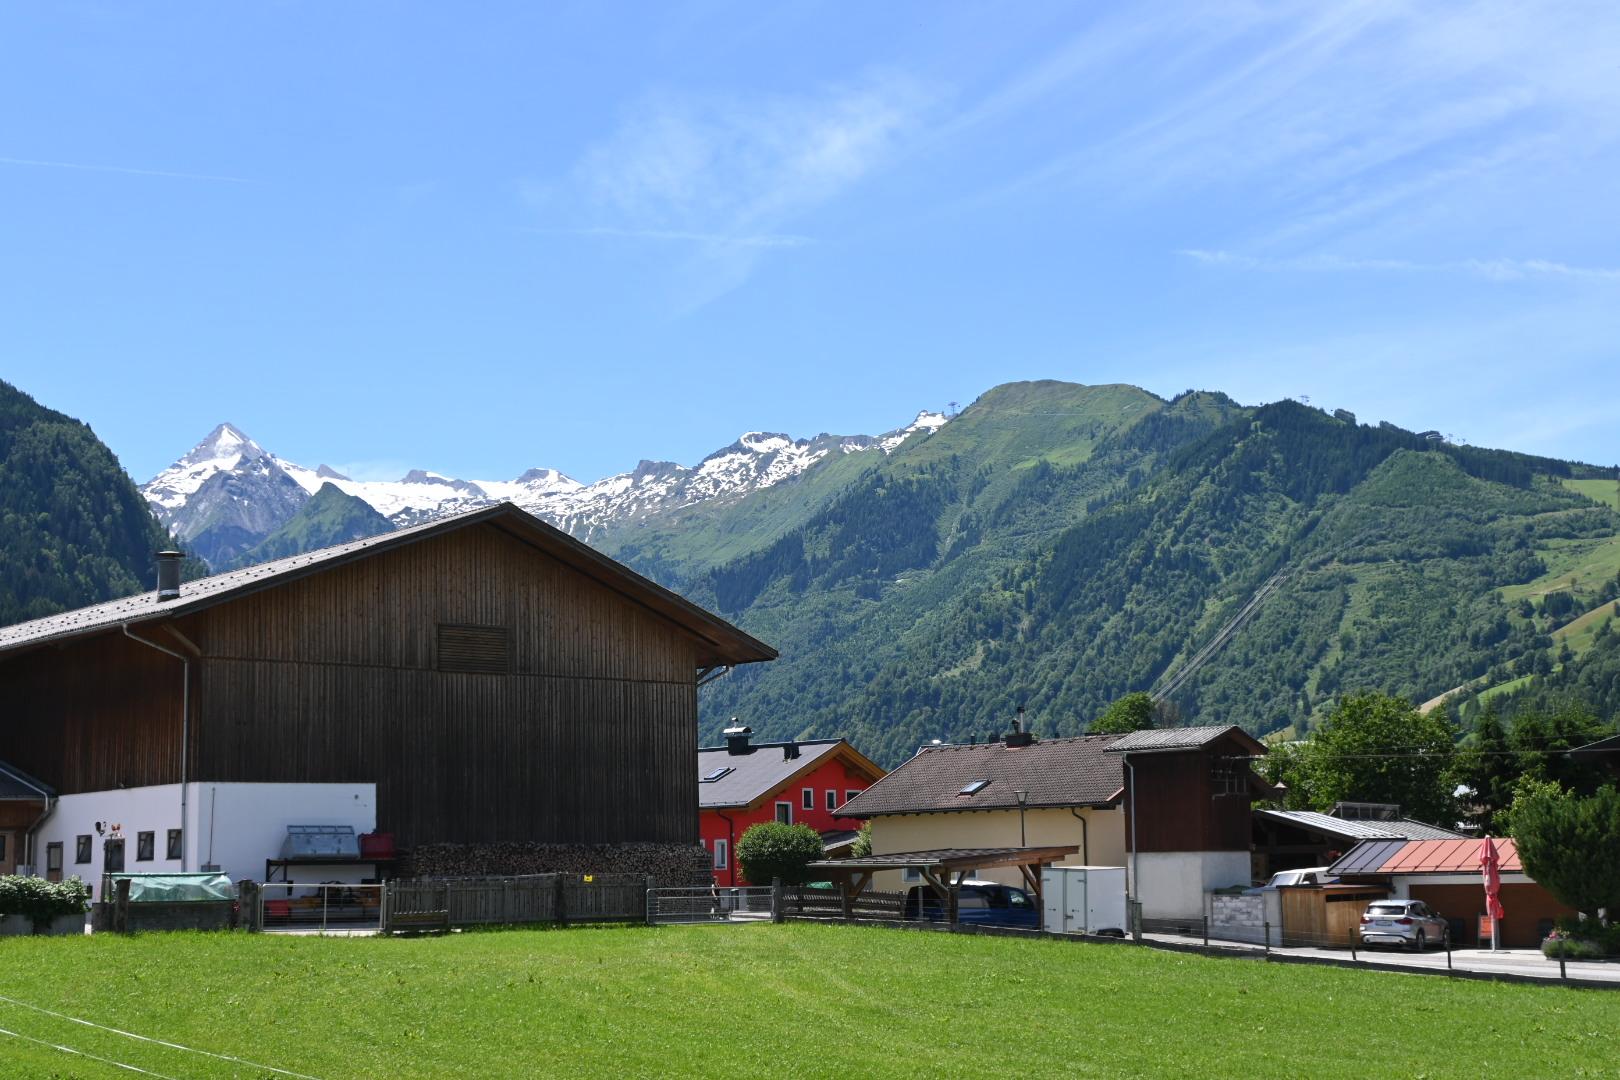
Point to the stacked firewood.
(669, 864)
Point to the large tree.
(1133, 712)
(1373, 748)
(1568, 845)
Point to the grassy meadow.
(796, 1000)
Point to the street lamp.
(1023, 801)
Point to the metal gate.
(328, 908)
(736, 904)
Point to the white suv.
(1409, 923)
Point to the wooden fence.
(533, 898)
(829, 904)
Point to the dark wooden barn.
(495, 678)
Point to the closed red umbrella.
(1490, 869)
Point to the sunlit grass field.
(762, 1000)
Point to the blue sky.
(479, 238)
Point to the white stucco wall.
(1172, 884)
(236, 826)
(1104, 833)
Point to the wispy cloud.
(766, 240)
(31, 163)
(1490, 269)
(729, 174)
(1330, 118)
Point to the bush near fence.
(667, 864)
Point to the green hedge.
(43, 900)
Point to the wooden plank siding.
(92, 715)
(1179, 808)
(591, 737)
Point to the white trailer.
(1083, 899)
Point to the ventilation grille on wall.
(475, 648)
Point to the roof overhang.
(952, 860)
(719, 642)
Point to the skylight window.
(973, 787)
(716, 774)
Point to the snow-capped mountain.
(228, 493)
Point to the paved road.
(1525, 963)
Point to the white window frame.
(808, 798)
(850, 793)
(721, 854)
(784, 818)
(832, 799)
(911, 873)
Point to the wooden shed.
(495, 678)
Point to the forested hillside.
(1060, 546)
(73, 529)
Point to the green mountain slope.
(1060, 546)
(329, 517)
(73, 529)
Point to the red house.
(743, 783)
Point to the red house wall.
(832, 775)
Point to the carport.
(944, 869)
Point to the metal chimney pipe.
(168, 575)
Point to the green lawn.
(796, 1000)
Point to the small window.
(848, 795)
(113, 857)
(174, 844)
(145, 844)
(807, 798)
(475, 649)
(784, 813)
(53, 858)
(714, 774)
(2, 847)
(719, 854)
(832, 799)
(911, 873)
(81, 849)
(973, 787)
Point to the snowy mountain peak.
(228, 492)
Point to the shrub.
(1559, 943)
(1605, 937)
(774, 850)
(42, 900)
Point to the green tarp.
(168, 888)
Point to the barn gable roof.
(721, 643)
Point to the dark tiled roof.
(1400, 829)
(758, 773)
(16, 784)
(1460, 856)
(1185, 738)
(723, 643)
(1055, 772)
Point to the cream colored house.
(1015, 792)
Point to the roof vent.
(737, 738)
(168, 575)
